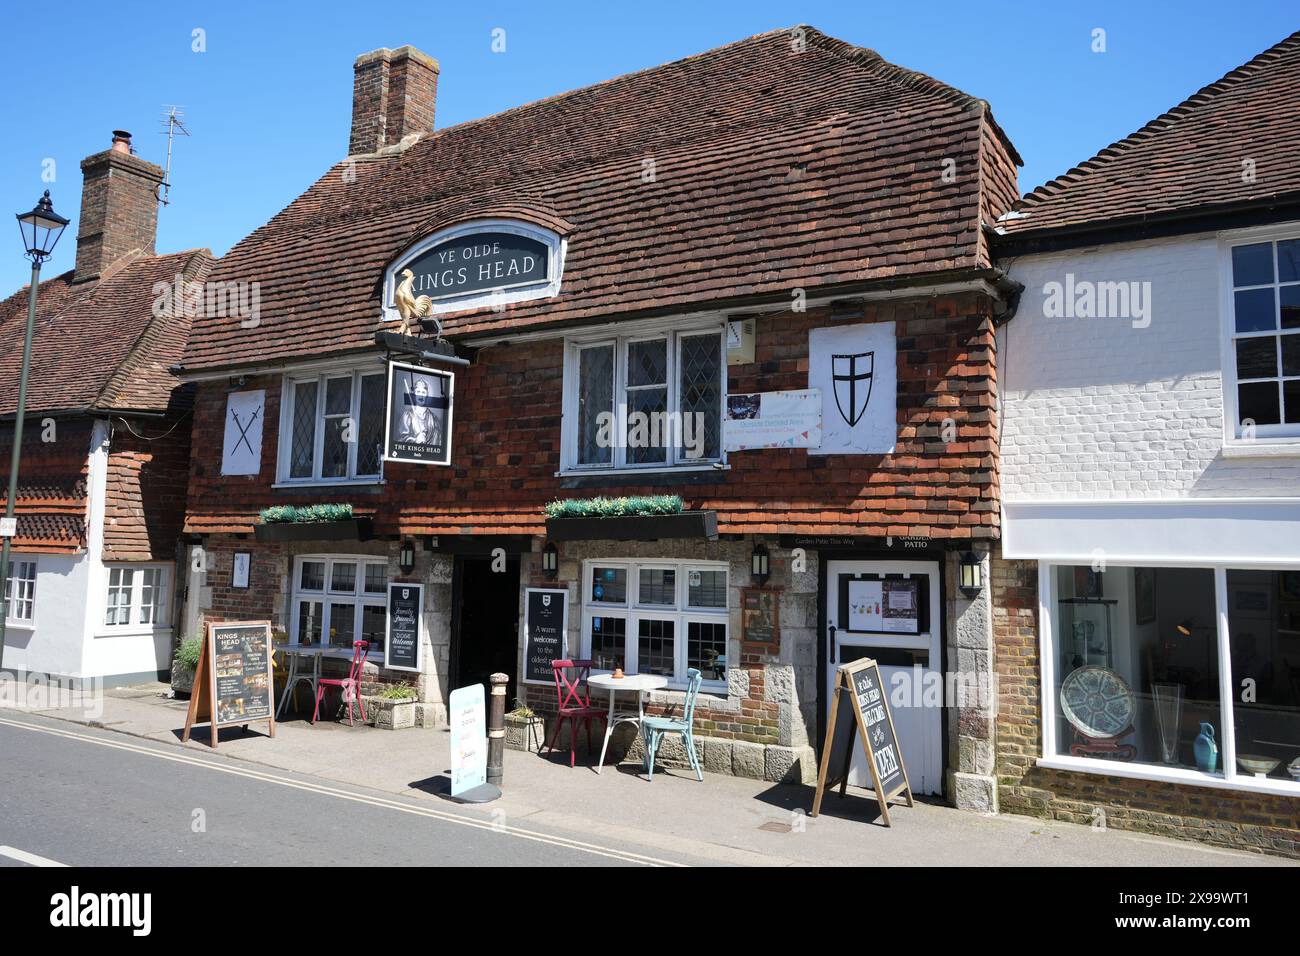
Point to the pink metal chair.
(350, 685)
(575, 702)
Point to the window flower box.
(688, 524)
(328, 522)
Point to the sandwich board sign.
(468, 738)
(860, 706)
(233, 683)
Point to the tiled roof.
(1193, 156)
(98, 344)
(773, 169)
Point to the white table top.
(316, 650)
(627, 681)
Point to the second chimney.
(119, 207)
(393, 95)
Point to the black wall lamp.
(550, 560)
(406, 556)
(971, 574)
(760, 565)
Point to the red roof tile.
(99, 344)
(773, 170)
(1191, 156)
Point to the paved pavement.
(725, 820)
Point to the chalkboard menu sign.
(233, 683)
(545, 622)
(402, 627)
(860, 706)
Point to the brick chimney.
(393, 95)
(119, 207)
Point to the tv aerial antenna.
(172, 127)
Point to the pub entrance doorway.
(485, 623)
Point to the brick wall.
(144, 507)
(119, 210)
(1221, 817)
(506, 444)
(1097, 409)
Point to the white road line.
(31, 859)
(563, 842)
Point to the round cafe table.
(641, 684)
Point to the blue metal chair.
(654, 728)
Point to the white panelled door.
(889, 611)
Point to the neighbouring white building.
(1149, 579)
(106, 440)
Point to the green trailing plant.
(305, 514)
(397, 692)
(622, 507)
(522, 711)
(187, 653)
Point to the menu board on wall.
(546, 614)
(402, 626)
(233, 683)
(860, 707)
(889, 605)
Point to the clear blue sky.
(268, 102)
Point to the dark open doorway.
(485, 623)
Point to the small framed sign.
(239, 569)
(760, 617)
(402, 626)
(418, 419)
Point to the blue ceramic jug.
(1207, 751)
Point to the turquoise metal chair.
(654, 728)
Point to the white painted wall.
(54, 643)
(1095, 409)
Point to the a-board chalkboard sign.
(860, 706)
(234, 682)
(546, 615)
(402, 627)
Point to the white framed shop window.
(1260, 323)
(20, 592)
(136, 597)
(337, 599)
(657, 617)
(659, 372)
(332, 427)
(1173, 653)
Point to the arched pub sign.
(476, 264)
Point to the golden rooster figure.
(411, 307)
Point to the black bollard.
(496, 728)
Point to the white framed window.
(648, 401)
(1140, 663)
(332, 427)
(338, 599)
(20, 592)
(1261, 328)
(657, 617)
(137, 596)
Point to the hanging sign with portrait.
(418, 423)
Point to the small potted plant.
(524, 729)
(184, 664)
(393, 708)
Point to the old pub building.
(757, 279)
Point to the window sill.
(20, 625)
(1194, 778)
(636, 472)
(133, 630)
(1289, 448)
(326, 483)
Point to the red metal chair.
(350, 685)
(575, 703)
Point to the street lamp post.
(40, 229)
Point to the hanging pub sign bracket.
(865, 712)
(412, 346)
